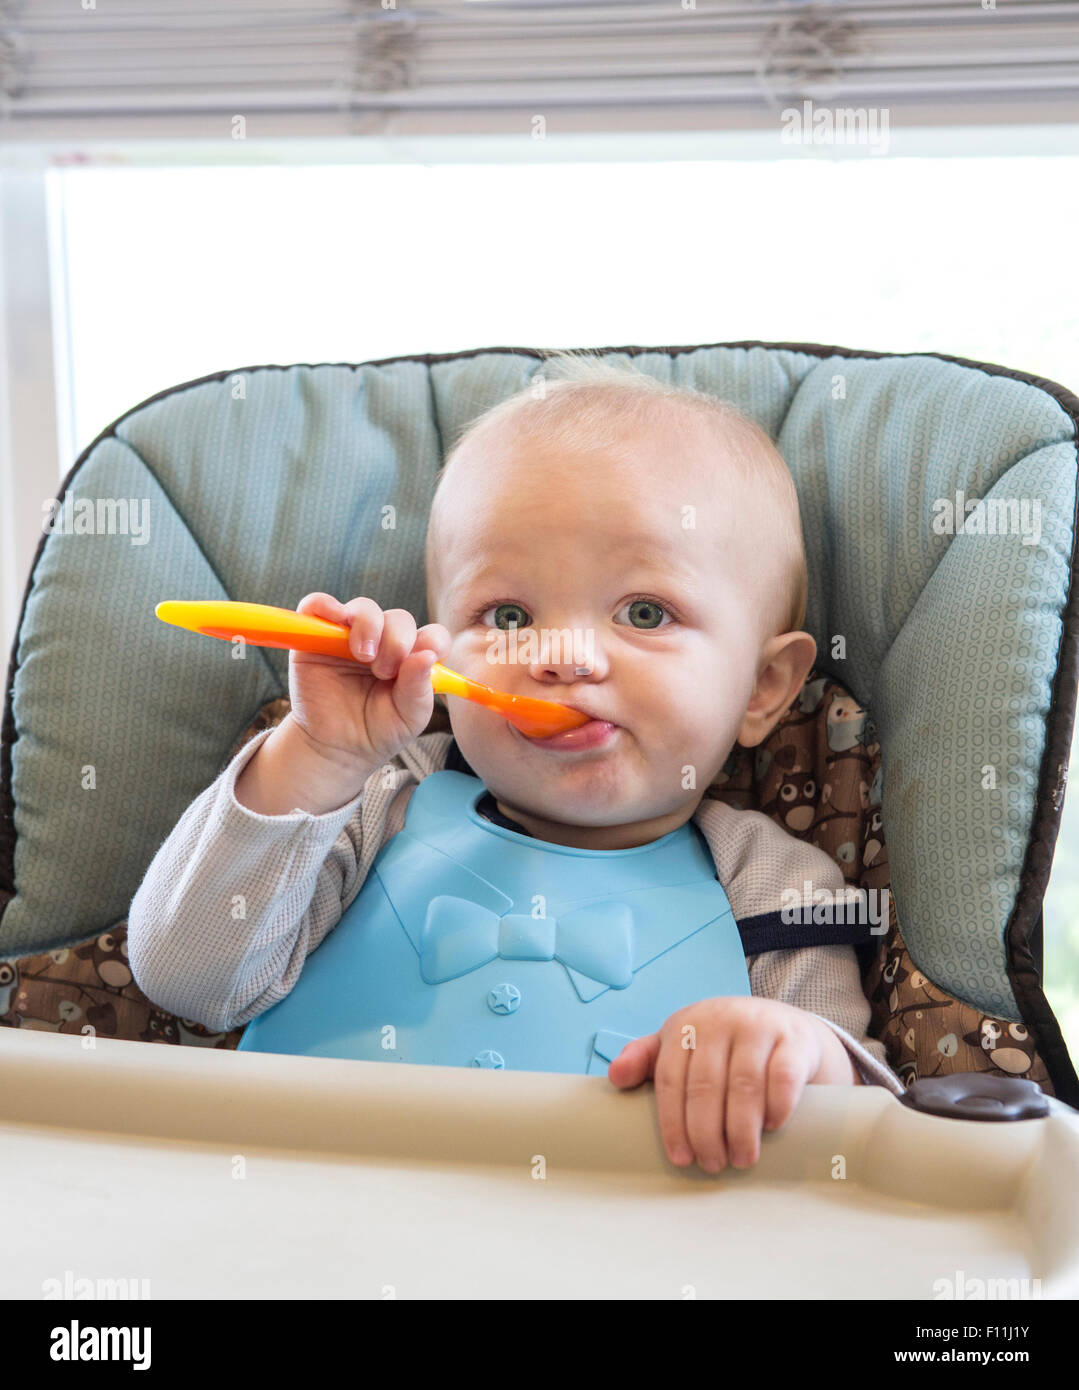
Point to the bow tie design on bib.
(459, 936)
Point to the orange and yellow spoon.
(265, 626)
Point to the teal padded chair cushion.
(269, 482)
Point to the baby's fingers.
(671, 1069)
(706, 1088)
(396, 643)
(320, 605)
(747, 1086)
(433, 637)
(411, 694)
(636, 1062)
(788, 1075)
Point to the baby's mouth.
(597, 733)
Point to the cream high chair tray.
(219, 1175)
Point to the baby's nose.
(565, 654)
(562, 670)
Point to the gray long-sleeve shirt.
(234, 901)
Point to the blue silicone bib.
(472, 945)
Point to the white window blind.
(74, 69)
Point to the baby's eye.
(507, 616)
(646, 613)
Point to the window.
(175, 273)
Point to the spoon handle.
(263, 625)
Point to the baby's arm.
(235, 899)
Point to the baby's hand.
(367, 710)
(725, 1067)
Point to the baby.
(627, 548)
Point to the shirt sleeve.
(759, 865)
(234, 901)
(826, 981)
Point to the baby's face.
(639, 561)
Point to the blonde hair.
(579, 399)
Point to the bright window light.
(175, 273)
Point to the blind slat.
(67, 64)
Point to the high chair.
(927, 755)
